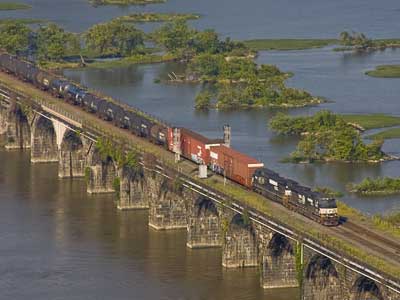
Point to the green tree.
(175, 36)
(203, 100)
(114, 38)
(54, 43)
(15, 37)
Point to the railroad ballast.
(215, 154)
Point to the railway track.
(370, 240)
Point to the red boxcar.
(195, 147)
(233, 164)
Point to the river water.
(59, 243)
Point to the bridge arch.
(101, 173)
(16, 127)
(321, 280)
(240, 244)
(44, 141)
(204, 226)
(279, 263)
(365, 289)
(72, 156)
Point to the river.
(57, 242)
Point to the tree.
(15, 37)
(114, 38)
(54, 43)
(203, 100)
(175, 36)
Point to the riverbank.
(124, 2)
(371, 121)
(385, 71)
(14, 6)
(393, 133)
(288, 44)
(23, 21)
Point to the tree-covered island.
(124, 2)
(357, 41)
(327, 137)
(377, 186)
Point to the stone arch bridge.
(247, 237)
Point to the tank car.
(159, 134)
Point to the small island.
(327, 137)
(356, 41)
(156, 17)
(288, 44)
(13, 6)
(124, 2)
(385, 71)
(378, 186)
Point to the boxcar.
(233, 164)
(196, 147)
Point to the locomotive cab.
(328, 212)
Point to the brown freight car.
(195, 147)
(233, 164)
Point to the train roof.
(200, 138)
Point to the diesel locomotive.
(218, 156)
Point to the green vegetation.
(22, 21)
(241, 83)
(326, 137)
(288, 44)
(14, 37)
(359, 42)
(393, 133)
(114, 38)
(203, 100)
(185, 42)
(122, 157)
(156, 17)
(329, 192)
(385, 71)
(371, 121)
(124, 2)
(378, 186)
(13, 6)
(53, 43)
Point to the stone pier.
(133, 194)
(239, 248)
(204, 228)
(100, 174)
(72, 156)
(167, 205)
(14, 128)
(279, 264)
(44, 141)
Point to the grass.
(157, 17)
(393, 133)
(22, 21)
(123, 62)
(288, 44)
(124, 2)
(14, 6)
(371, 121)
(385, 71)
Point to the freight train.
(215, 154)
